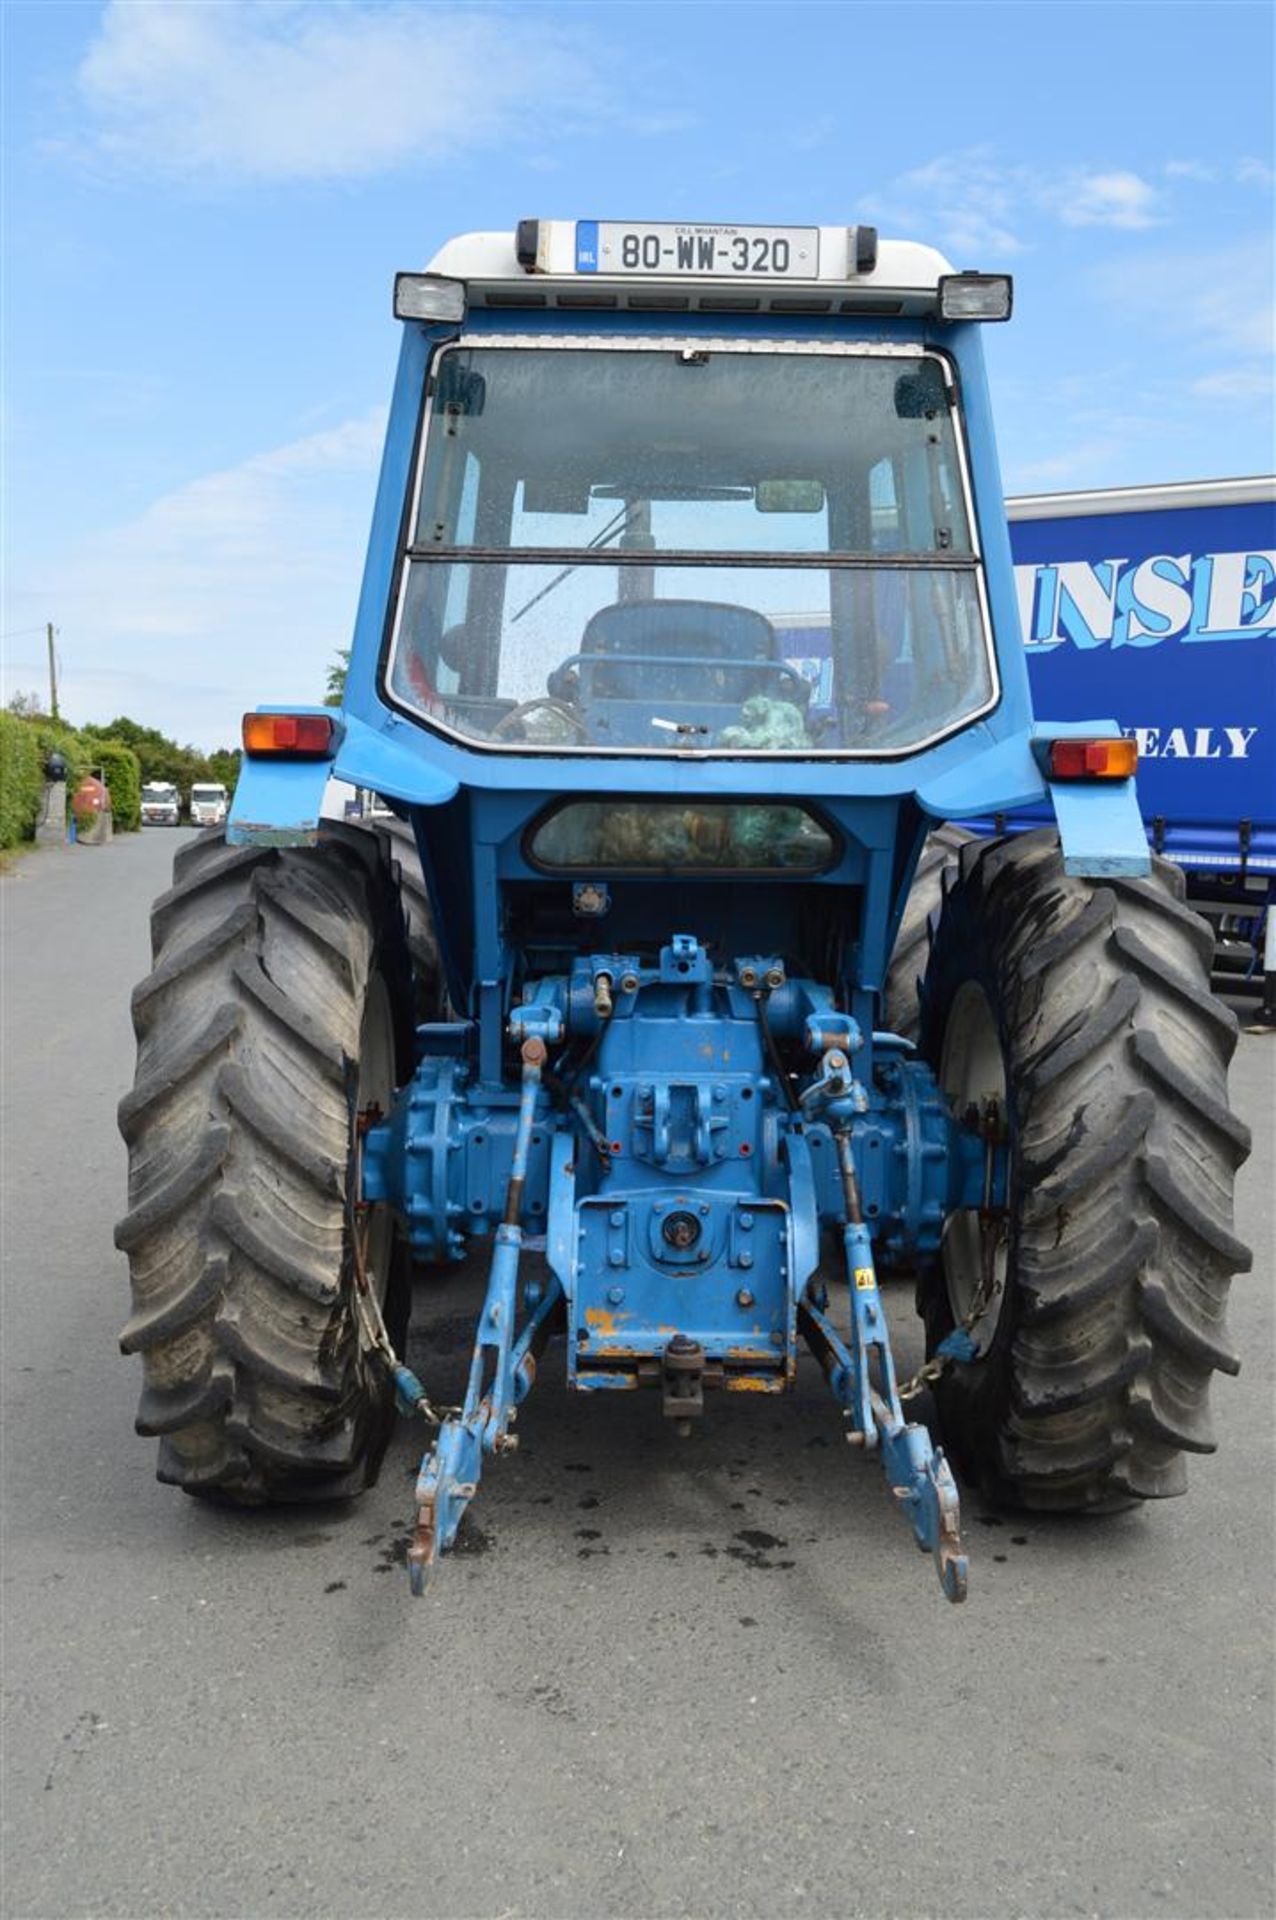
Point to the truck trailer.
(1158, 604)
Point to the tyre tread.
(238, 1131)
(1123, 1244)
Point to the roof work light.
(975, 296)
(429, 296)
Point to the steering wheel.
(542, 704)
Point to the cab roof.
(902, 279)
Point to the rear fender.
(1100, 828)
(278, 802)
(1101, 831)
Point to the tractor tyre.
(427, 967)
(278, 1011)
(908, 960)
(1083, 1008)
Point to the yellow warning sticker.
(864, 1279)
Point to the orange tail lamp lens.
(1093, 759)
(297, 736)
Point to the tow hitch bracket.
(862, 1375)
(502, 1368)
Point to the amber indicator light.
(1093, 759)
(297, 734)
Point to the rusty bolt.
(681, 1230)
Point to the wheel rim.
(972, 1072)
(375, 1089)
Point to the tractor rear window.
(629, 548)
(711, 838)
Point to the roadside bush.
(21, 780)
(122, 772)
(27, 738)
(55, 736)
(26, 741)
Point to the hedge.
(21, 780)
(55, 736)
(122, 771)
(26, 743)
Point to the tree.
(223, 765)
(336, 693)
(163, 759)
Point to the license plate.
(690, 252)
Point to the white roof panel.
(905, 275)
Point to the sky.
(204, 206)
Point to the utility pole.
(53, 674)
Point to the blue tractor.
(688, 614)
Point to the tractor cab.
(689, 560)
(650, 546)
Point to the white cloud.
(294, 90)
(980, 207)
(1212, 316)
(1107, 200)
(1221, 300)
(1085, 462)
(1237, 383)
(1190, 170)
(968, 200)
(237, 587)
(1248, 172)
(1256, 173)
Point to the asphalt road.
(708, 1677)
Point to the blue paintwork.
(277, 803)
(681, 1086)
(691, 1203)
(499, 1376)
(985, 769)
(676, 1183)
(1100, 827)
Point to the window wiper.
(619, 524)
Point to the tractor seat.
(682, 650)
